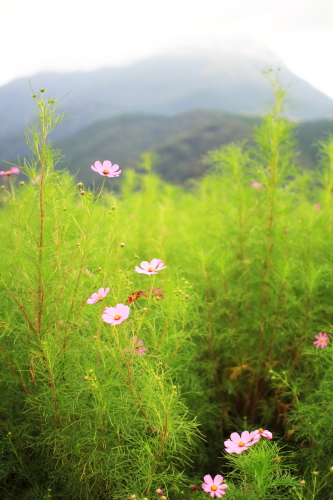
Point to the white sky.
(68, 35)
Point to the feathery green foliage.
(229, 337)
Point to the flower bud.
(86, 378)
(113, 208)
(193, 487)
(22, 183)
(82, 193)
(2, 187)
(34, 96)
(187, 296)
(136, 256)
(122, 244)
(159, 491)
(144, 309)
(133, 497)
(79, 184)
(302, 481)
(163, 497)
(42, 89)
(315, 473)
(174, 387)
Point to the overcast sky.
(69, 35)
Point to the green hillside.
(179, 142)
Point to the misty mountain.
(168, 85)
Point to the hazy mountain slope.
(161, 85)
(178, 141)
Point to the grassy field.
(228, 326)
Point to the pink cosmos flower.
(13, 170)
(214, 486)
(316, 206)
(115, 315)
(150, 268)
(100, 295)
(239, 443)
(256, 185)
(260, 432)
(107, 169)
(322, 340)
(137, 346)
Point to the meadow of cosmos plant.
(165, 342)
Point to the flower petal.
(235, 437)
(208, 479)
(107, 165)
(145, 265)
(218, 479)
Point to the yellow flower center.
(241, 443)
(321, 340)
(106, 172)
(117, 316)
(150, 269)
(214, 488)
(261, 430)
(99, 296)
